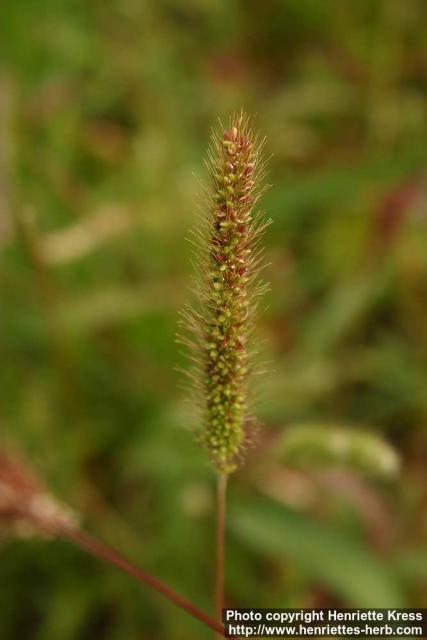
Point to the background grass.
(105, 111)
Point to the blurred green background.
(105, 113)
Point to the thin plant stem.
(220, 539)
(109, 555)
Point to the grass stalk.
(109, 555)
(220, 546)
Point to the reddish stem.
(111, 556)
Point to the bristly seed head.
(220, 326)
(26, 507)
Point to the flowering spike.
(220, 326)
(25, 505)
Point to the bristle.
(228, 260)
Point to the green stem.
(220, 537)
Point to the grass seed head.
(229, 258)
(26, 507)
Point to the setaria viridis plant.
(219, 326)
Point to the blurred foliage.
(105, 111)
(329, 445)
(319, 552)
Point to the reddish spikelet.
(220, 326)
(25, 505)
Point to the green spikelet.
(220, 326)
